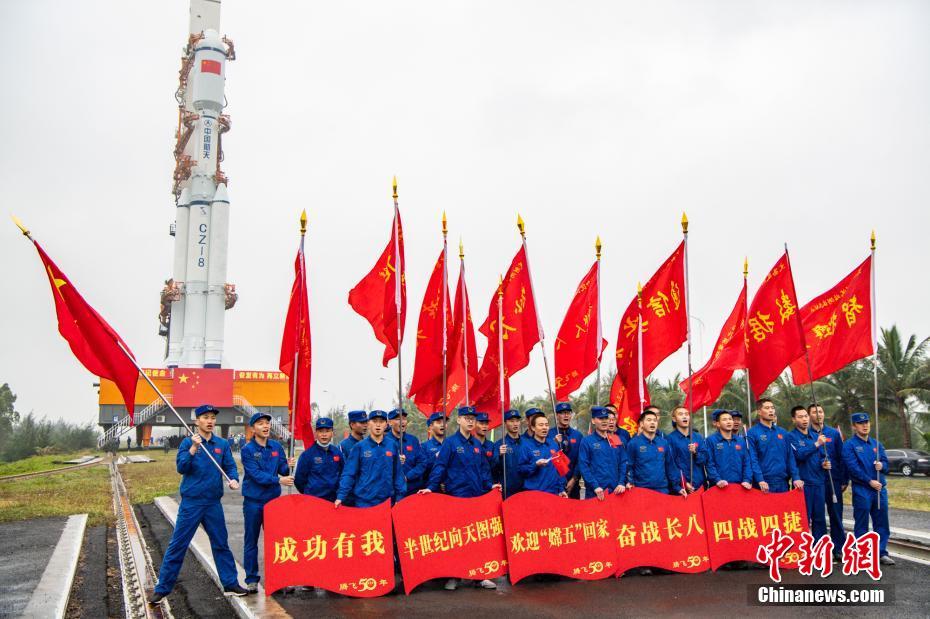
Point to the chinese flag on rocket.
(729, 355)
(94, 342)
(520, 328)
(837, 326)
(377, 296)
(295, 348)
(426, 384)
(578, 346)
(461, 346)
(773, 328)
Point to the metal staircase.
(278, 429)
(125, 424)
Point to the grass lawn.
(904, 492)
(35, 464)
(152, 479)
(61, 494)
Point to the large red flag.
(486, 392)
(664, 329)
(462, 350)
(773, 328)
(377, 296)
(520, 328)
(837, 326)
(94, 342)
(426, 384)
(579, 344)
(729, 355)
(295, 347)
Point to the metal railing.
(278, 429)
(125, 424)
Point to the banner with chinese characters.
(548, 534)
(660, 530)
(739, 521)
(444, 536)
(347, 550)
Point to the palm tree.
(902, 374)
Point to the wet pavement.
(26, 547)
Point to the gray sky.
(768, 122)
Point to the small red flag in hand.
(578, 345)
(561, 463)
(94, 342)
(295, 346)
(377, 297)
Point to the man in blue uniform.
(651, 464)
(612, 426)
(529, 414)
(266, 468)
(436, 430)
(462, 469)
(775, 464)
(835, 479)
(411, 456)
(737, 422)
(482, 421)
(569, 440)
(536, 467)
(728, 457)
(688, 449)
(507, 450)
(358, 428)
(867, 465)
(809, 454)
(373, 472)
(320, 467)
(201, 491)
(601, 463)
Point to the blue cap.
(397, 412)
(324, 422)
(533, 411)
(205, 408)
(720, 411)
(467, 410)
(736, 414)
(563, 407)
(258, 416)
(599, 412)
(859, 417)
(511, 414)
(377, 415)
(482, 417)
(437, 416)
(358, 416)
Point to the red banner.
(196, 386)
(660, 530)
(547, 534)
(309, 542)
(739, 521)
(444, 536)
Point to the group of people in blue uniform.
(380, 461)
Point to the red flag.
(664, 328)
(520, 328)
(426, 384)
(628, 408)
(462, 346)
(377, 296)
(579, 344)
(837, 326)
(295, 346)
(773, 327)
(729, 355)
(486, 392)
(194, 386)
(94, 342)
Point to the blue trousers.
(253, 512)
(866, 505)
(190, 516)
(835, 513)
(777, 485)
(813, 496)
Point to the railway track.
(137, 573)
(62, 469)
(910, 550)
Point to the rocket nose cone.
(221, 194)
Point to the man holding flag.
(569, 441)
(373, 472)
(835, 479)
(651, 464)
(810, 456)
(601, 462)
(688, 449)
(771, 451)
(507, 450)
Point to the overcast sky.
(768, 122)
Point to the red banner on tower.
(578, 346)
(196, 386)
(434, 328)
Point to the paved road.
(25, 548)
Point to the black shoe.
(252, 587)
(155, 598)
(235, 590)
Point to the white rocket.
(193, 304)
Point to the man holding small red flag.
(295, 349)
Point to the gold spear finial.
(445, 228)
(873, 239)
(394, 185)
(303, 222)
(639, 293)
(597, 247)
(21, 226)
(461, 250)
(684, 222)
(746, 266)
(500, 286)
(521, 225)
